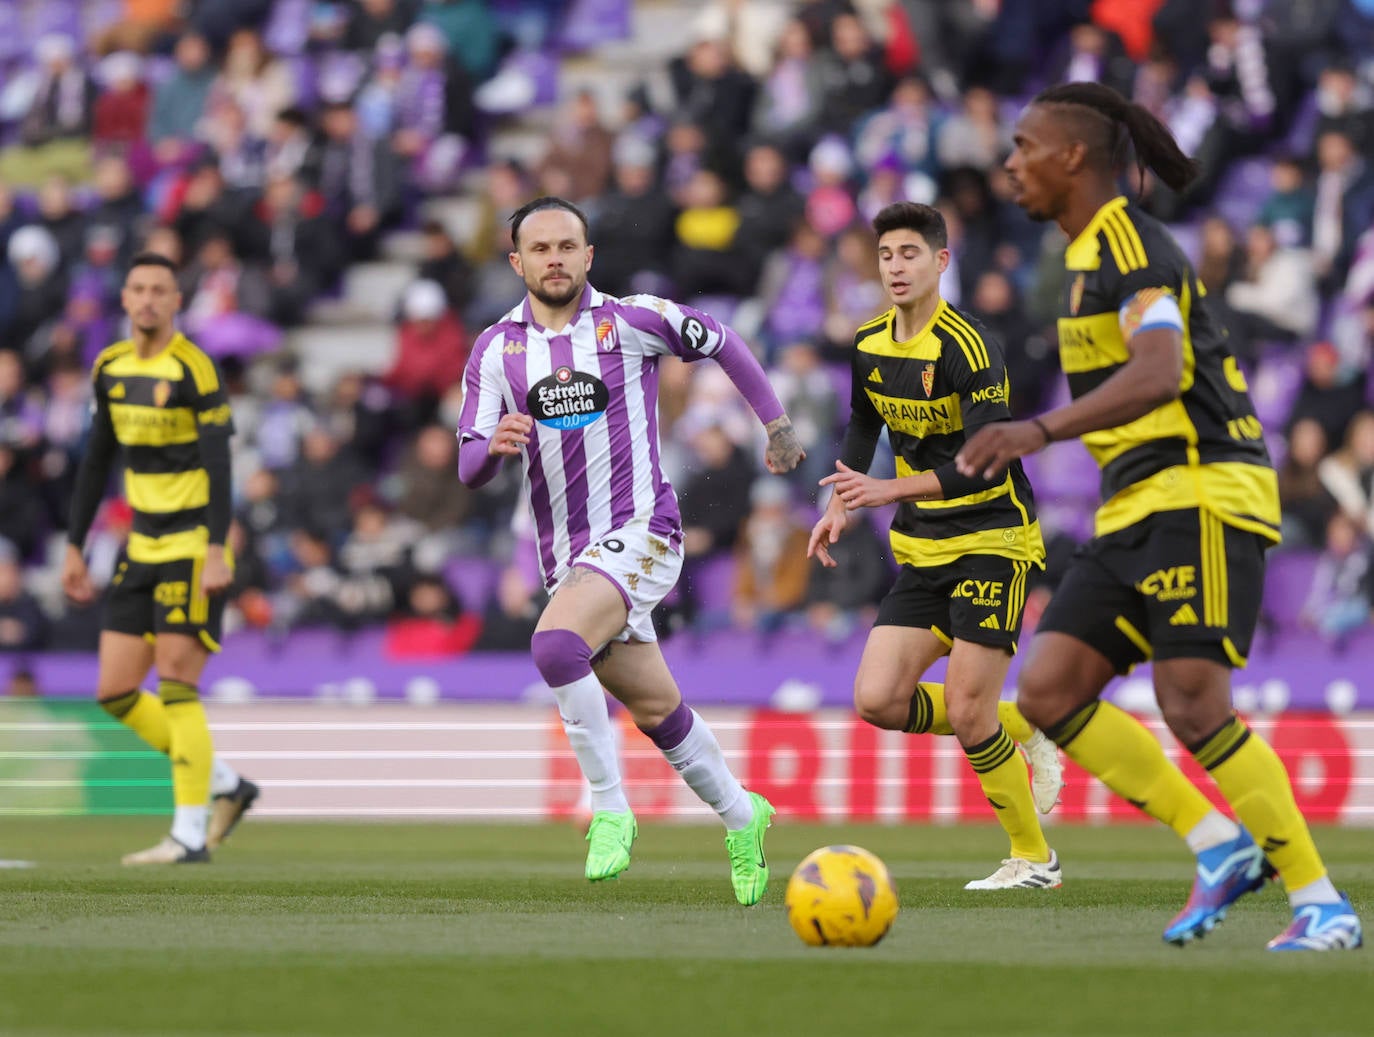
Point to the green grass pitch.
(473, 930)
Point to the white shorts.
(643, 566)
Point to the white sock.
(587, 723)
(188, 826)
(702, 765)
(223, 778)
(1319, 892)
(1213, 830)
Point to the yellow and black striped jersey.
(931, 391)
(159, 408)
(1206, 448)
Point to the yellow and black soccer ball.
(841, 896)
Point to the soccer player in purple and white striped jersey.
(568, 382)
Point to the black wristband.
(1042, 427)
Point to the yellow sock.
(1253, 779)
(145, 714)
(928, 715)
(1124, 756)
(191, 749)
(1006, 783)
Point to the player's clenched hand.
(512, 433)
(76, 580)
(858, 490)
(215, 574)
(784, 448)
(995, 446)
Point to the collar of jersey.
(135, 358)
(940, 308)
(522, 314)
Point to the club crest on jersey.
(567, 399)
(1076, 295)
(928, 379)
(162, 392)
(605, 335)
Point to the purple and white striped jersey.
(592, 389)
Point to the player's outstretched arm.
(827, 531)
(784, 451)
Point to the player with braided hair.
(1190, 506)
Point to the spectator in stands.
(433, 117)
(265, 525)
(21, 409)
(904, 129)
(42, 284)
(1330, 394)
(707, 259)
(793, 289)
(1348, 474)
(845, 598)
(855, 293)
(686, 150)
(974, 137)
(1338, 602)
(1288, 209)
(513, 612)
(360, 179)
(1092, 54)
(1344, 207)
(119, 205)
(21, 505)
(632, 226)
(88, 322)
(53, 132)
(301, 248)
(1275, 299)
(257, 83)
(713, 92)
(286, 417)
(370, 20)
(768, 208)
(1346, 107)
(144, 23)
(290, 149)
(1221, 260)
(807, 393)
(580, 147)
(431, 494)
(470, 33)
(854, 79)
(358, 412)
(59, 216)
(446, 266)
(788, 106)
(179, 101)
(120, 114)
(771, 566)
(375, 559)
(65, 421)
(319, 486)
(239, 152)
(714, 503)
(23, 626)
(431, 351)
(200, 207)
(219, 285)
(830, 205)
(996, 304)
(1306, 502)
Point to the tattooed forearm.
(784, 449)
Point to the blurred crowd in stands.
(267, 145)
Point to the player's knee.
(874, 705)
(970, 717)
(561, 657)
(1039, 698)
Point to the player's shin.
(564, 661)
(142, 713)
(688, 743)
(1116, 748)
(192, 752)
(1005, 779)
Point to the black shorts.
(147, 599)
(979, 598)
(1177, 585)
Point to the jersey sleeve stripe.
(965, 343)
(1131, 237)
(979, 346)
(201, 368)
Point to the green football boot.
(748, 865)
(610, 837)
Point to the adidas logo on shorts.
(1186, 616)
(991, 623)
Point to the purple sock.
(675, 727)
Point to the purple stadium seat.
(62, 16)
(1243, 190)
(1274, 386)
(473, 580)
(1287, 580)
(714, 583)
(288, 27)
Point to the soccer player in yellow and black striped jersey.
(930, 376)
(1190, 505)
(160, 398)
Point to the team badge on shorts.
(928, 379)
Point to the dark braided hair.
(1121, 121)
